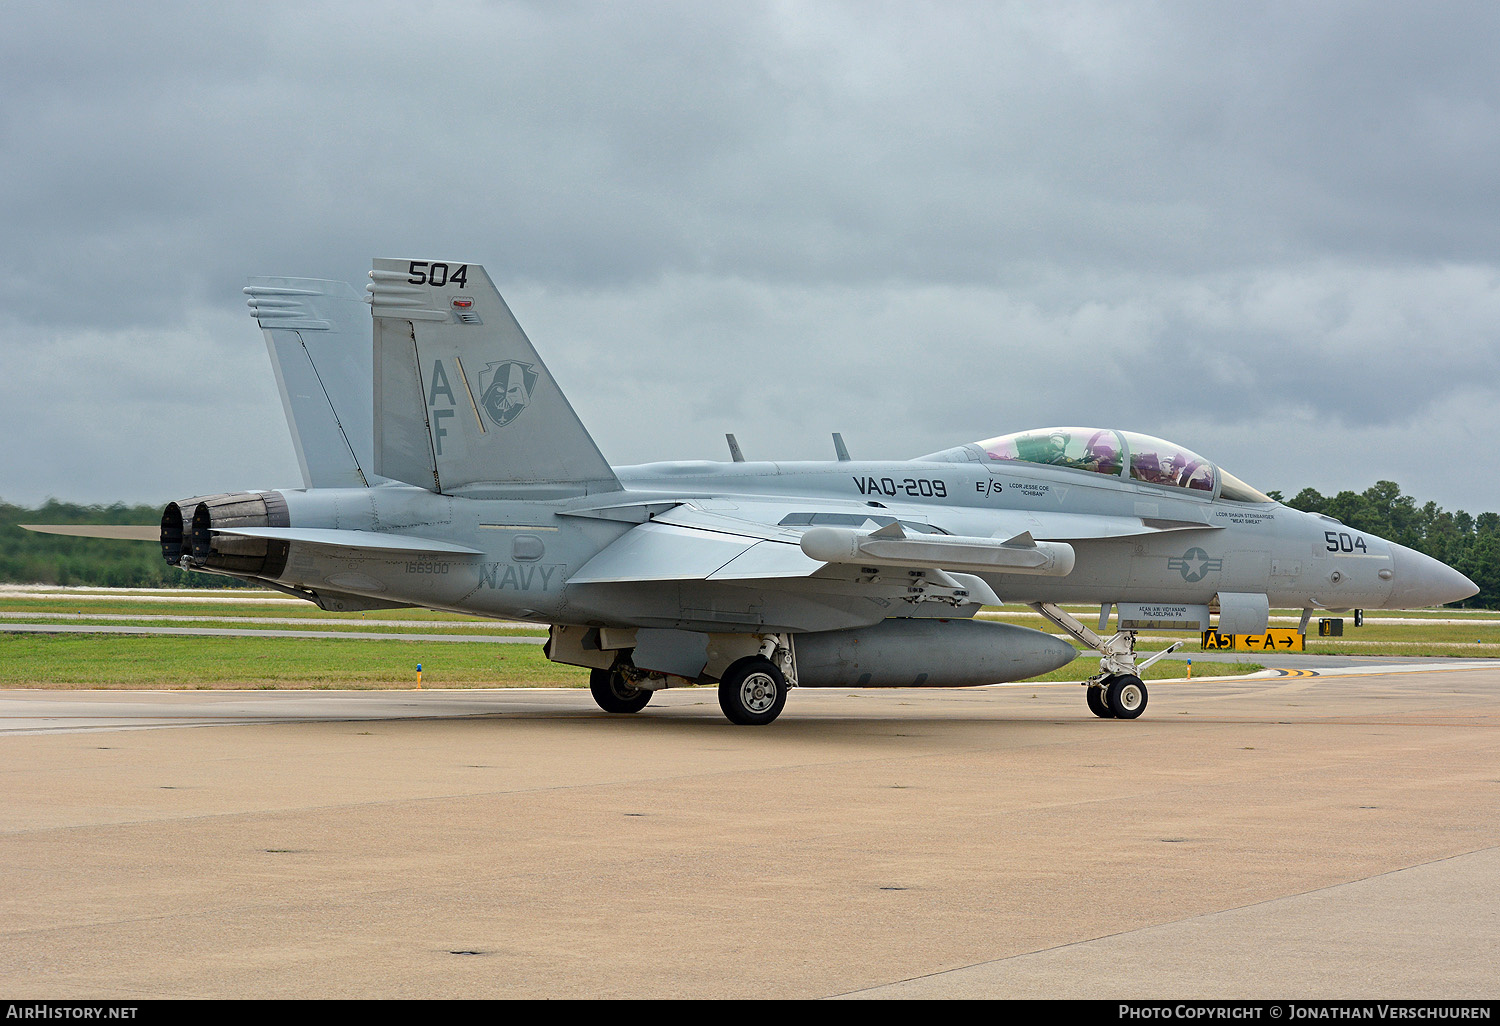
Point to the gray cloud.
(914, 223)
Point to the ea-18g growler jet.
(475, 488)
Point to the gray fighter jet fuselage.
(474, 488)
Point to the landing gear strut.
(1116, 691)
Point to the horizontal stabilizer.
(116, 532)
(374, 541)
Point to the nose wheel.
(1127, 697)
(1098, 700)
(1120, 696)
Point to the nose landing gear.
(1116, 691)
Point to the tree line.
(30, 558)
(1469, 544)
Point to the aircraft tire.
(1127, 697)
(615, 694)
(752, 691)
(1098, 700)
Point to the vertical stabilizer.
(461, 396)
(317, 333)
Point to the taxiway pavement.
(1314, 836)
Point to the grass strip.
(257, 624)
(185, 663)
(188, 663)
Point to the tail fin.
(461, 396)
(316, 332)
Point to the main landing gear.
(616, 693)
(1116, 691)
(752, 689)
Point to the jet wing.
(657, 551)
(1041, 526)
(687, 515)
(687, 543)
(889, 546)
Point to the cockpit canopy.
(1123, 454)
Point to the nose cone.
(1422, 581)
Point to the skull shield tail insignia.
(506, 389)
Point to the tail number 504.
(420, 272)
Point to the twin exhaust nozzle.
(189, 539)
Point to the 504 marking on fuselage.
(1343, 541)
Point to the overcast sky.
(1269, 232)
